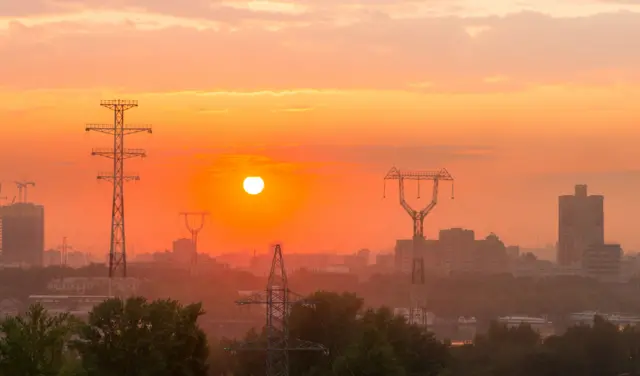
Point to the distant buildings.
(580, 224)
(357, 261)
(22, 234)
(385, 261)
(455, 251)
(183, 250)
(603, 262)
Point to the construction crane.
(278, 299)
(417, 311)
(22, 189)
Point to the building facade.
(22, 234)
(455, 251)
(603, 262)
(580, 224)
(183, 250)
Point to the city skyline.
(518, 103)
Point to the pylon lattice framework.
(117, 246)
(279, 300)
(418, 310)
(194, 231)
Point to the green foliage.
(135, 337)
(370, 343)
(33, 343)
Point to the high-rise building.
(22, 234)
(580, 225)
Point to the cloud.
(527, 48)
(332, 158)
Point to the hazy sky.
(519, 100)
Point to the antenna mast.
(117, 246)
(417, 311)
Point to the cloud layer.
(167, 46)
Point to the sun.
(253, 185)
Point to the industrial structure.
(418, 305)
(278, 300)
(194, 231)
(117, 246)
(23, 186)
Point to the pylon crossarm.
(260, 297)
(108, 176)
(246, 346)
(301, 345)
(102, 128)
(293, 345)
(131, 129)
(124, 153)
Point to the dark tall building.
(580, 225)
(22, 233)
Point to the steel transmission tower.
(194, 231)
(279, 300)
(117, 247)
(417, 311)
(64, 252)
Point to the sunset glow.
(320, 98)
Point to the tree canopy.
(136, 337)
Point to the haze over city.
(519, 102)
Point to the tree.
(371, 343)
(135, 337)
(34, 343)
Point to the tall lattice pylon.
(117, 247)
(417, 311)
(194, 231)
(279, 300)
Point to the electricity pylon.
(194, 231)
(417, 311)
(64, 252)
(279, 300)
(117, 246)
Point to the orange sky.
(321, 97)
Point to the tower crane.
(22, 189)
(417, 311)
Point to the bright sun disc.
(253, 185)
